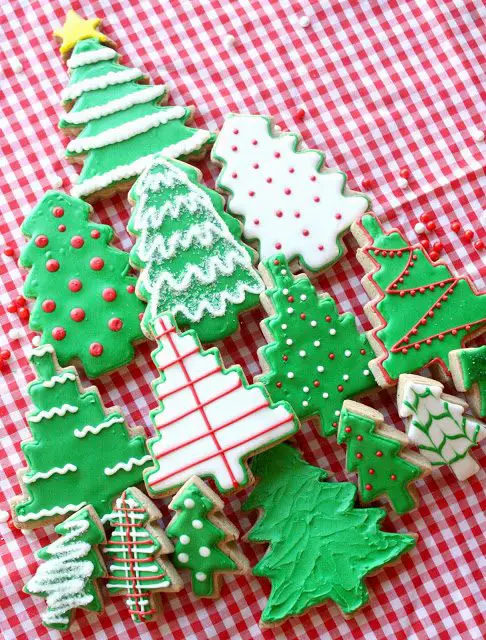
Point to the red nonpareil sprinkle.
(131, 288)
(347, 429)
(77, 242)
(95, 234)
(77, 314)
(431, 226)
(426, 217)
(58, 212)
(97, 264)
(300, 114)
(9, 250)
(405, 173)
(59, 333)
(41, 241)
(368, 487)
(425, 243)
(11, 307)
(366, 183)
(20, 301)
(75, 285)
(48, 306)
(456, 226)
(438, 246)
(479, 245)
(433, 255)
(115, 324)
(52, 265)
(24, 313)
(5, 354)
(468, 235)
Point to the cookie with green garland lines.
(468, 368)
(379, 454)
(205, 540)
(315, 357)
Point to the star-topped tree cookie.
(74, 29)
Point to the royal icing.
(210, 419)
(136, 567)
(204, 539)
(189, 252)
(437, 425)
(59, 379)
(74, 29)
(289, 201)
(68, 577)
(468, 368)
(315, 358)
(375, 451)
(421, 311)
(85, 302)
(320, 546)
(76, 457)
(123, 124)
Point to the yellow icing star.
(75, 28)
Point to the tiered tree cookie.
(68, 579)
(379, 455)
(85, 302)
(437, 425)
(204, 539)
(80, 454)
(321, 547)
(189, 251)
(210, 419)
(315, 358)
(468, 367)
(117, 117)
(135, 548)
(288, 200)
(420, 309)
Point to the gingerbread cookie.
(468, 368)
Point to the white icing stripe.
(120, 104)
(47, 474)
(122, 564)
(90, 57)
(40, 351)
(64, 377)
(81, 433)
(100, 82)
(125, 172)
(55, 411)
(127, 466)
(125, 131)
(55, 511)
(114, 515)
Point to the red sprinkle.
(52, 265)
(347, 429)
(115, 324)
(59, 333)
(24, 313)
(41, 241)
(438, 246)
(77, 314)
(131, 288)
(20, 301)
(96, 349)
(366, 183)
(431, 226)
(11, 307)
(479, 245)
(95, 234)
(48, 306)
(300, 115)
(75, 285)
(109, 294)
(77, 242)
(405, 173)
(434, 256)
(5, 354)
(468, 235)
(368, 487)
(456, 226)
(425, 217)
(9, 250)
(425, 243)
(96, 264)
(58, 212)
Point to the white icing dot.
(317, 343)
(205, 552)
(197, 524)
(55, 181)
(184, 539)
(478, 135)
(325, 394)
(289, 341)
(284, 326)
(285, 292)
(347, 353)
(284, 271)
(302, 353)
(303, 297)
(183, 557)
(332, 332)
(290, 375)
(189, 503)
(36, 341)
(320, 368)
(366, 372)
(305, 403)
(305, 389)
(229, 41)
(402, 183)
(313, 323)
(420, 228)
(304, 21)
(4, 515)
(278, 128)
(290, 310)
(345, 376)
(15, 65)
(337, 413)
(201, 576)
(14, 334)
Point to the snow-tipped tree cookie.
(420, 309)
(320, 546)
(69, 577)
(118, 119)
(204, 539)
(315, 358)
(188, 249)
(85, 302)
(136, 565)
(288, 200)
(468, 368)
(210, 419)
(437, 424)
(380, 456)
(80, 453)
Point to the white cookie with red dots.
(289, 201)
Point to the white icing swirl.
(55, 411)
(90, 57)
(61, 379)
(127, 466)
(55, 511)
(42, 475)
(81, 433)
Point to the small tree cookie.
(437, 425)
(379, 455)
(135, 548)
(68, 579)
(468, 367)
(204, 539)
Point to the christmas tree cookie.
(118, 118)
(79, 454)
(210, 419)
(315, 358)
(85, 304)
(321, 547)
(135, 549)
(68, 579)
(189, 252)
(468, 368)
(379, 455)
(204, 539)
(288, 200)
(436, 423)
(420, 309)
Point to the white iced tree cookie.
(289, 201)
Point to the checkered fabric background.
(384, 85)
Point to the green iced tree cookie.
(468, 368)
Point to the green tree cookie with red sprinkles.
(315, 358)
(85, 304)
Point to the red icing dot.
(305, 232)
(277, 154)
(347, 429)
(234, 148)
(371, 472)
(359, 438)
(287, 191)
(363, 352)
(317, 383)
(48, 306)
(77, 242)
(368, 487)
(61, 227)
(256, 221)
(279, 385)
(405, 173)
(131, 288)
(236, 132)
(302, 316)
(379, 454)
(278, 245)
(291, 169)
(338, 216)
(96, 349)
(285, 358)
(393, 476)
(269, 180)
(58, 212)
(96, 264)
(328, 318)
(256, 165)
(340, 387)
(254, 142)
(75, 285)
(251, 193)
(52, 265)
(115, 324)
(109, 294)
(359, 456)
(77, 314)
(140, 316)
(95, 234)
(297, 214)
(291, 298)
(234, 175)
(317, 199)
(331, 356)
(279, 213)
(313, 178)
(59, 333)
(41, 241)
(321, 247)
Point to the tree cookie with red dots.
(379, 455)
(420, 309)
(85, 304)
(289, 201)
(315, 358)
